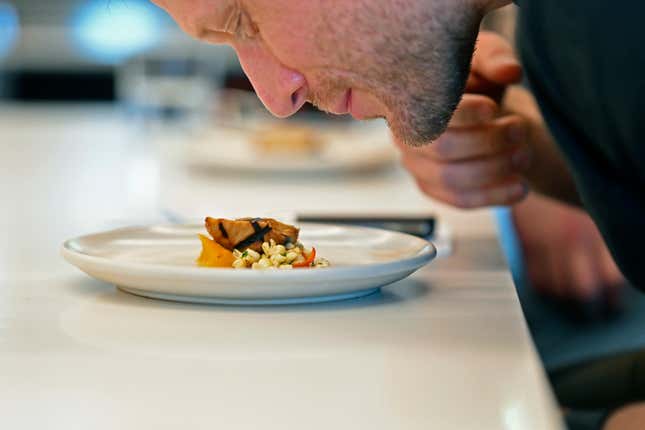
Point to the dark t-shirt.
(585, 64)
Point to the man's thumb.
(494, 60)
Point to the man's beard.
(419, 75)
(422, 107)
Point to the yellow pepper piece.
(213, 254)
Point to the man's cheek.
(295, 47)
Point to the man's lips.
(350, 104)
(344, 104)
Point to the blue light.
(111, 31)
(9, 28)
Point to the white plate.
(159, 262)
(345, 150)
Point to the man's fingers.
(467, 175)
(466, 143)
(478, 162)
(474, 110)
(499, 195)
(480, 173)
(494, 62)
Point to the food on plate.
(213, 254)
(256, 243)
(288, 139)
(245, 233)
(276, 256)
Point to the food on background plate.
(288, 139)
(256, 243)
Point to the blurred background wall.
(81, 49)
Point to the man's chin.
(420, 129)
(403, 134)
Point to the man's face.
(404, 60)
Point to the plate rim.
(427, 253)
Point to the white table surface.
(447, 348)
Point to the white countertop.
(447, 348)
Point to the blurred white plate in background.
(159, 262)
(344, 149)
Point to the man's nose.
(282, 90)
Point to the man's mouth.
(358, 106)
(360, 109)
(343, 105)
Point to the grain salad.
(277, 256)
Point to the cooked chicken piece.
(245, 233)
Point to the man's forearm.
(549, 173)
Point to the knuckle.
(449, 178)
